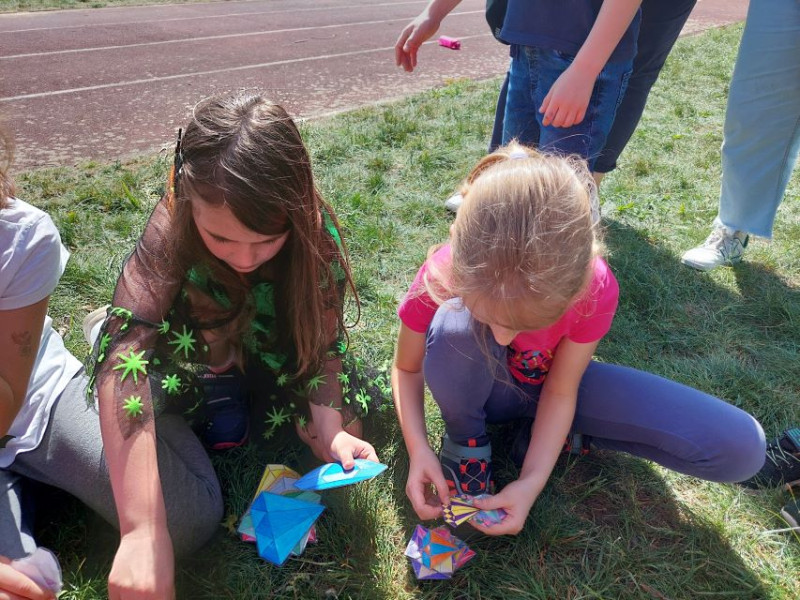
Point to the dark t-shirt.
(561, 25)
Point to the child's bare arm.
(566, 101)
(20, 333)
(419, 30)
(408, 390)
(554, 417)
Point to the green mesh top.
(152, 348)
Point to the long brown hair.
(524, 239)
(245, 152)
(6, 156)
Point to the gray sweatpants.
(71, 458)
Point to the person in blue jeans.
(502, 323)
(569, 68)
(761, 134)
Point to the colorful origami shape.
(332, 475)
(271, 474)
(436, 553)
(279, 479)
(280, 523)
(461, 509)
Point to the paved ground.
(107, 83)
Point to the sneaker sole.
(790, 519)
(229, 445)
(702, 267)
(93, 318)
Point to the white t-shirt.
(32, 260)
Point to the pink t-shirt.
(531, 353)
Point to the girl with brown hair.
(239, 278)
(502, 323)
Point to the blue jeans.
(531, 75)
(660, 27)
(762, 121)
(621, 409)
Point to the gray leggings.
(620, 408)
(70, 457)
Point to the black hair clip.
(177, 164)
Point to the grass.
(606, 525)
(10, 6)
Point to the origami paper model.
(461, 509)
(280, 479)
(436, 553)
(332, 475)
(280, 522)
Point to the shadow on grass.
(607, 525)
(611, 525)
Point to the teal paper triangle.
(280, 522)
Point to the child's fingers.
(401, 49)
(14, 585)
(490, 502)
(368, 453)
(424, 510)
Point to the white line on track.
(215, 37)
(219, 16)
(211, 72)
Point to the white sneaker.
(454, 202)
(92, 323)
(724, 246)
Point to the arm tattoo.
(23, 340)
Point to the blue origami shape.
(332, 475)
(280, 522)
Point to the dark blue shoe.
(467, 469)
(226, 409)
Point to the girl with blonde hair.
(502, 323)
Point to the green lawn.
(607, 525)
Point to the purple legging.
(620, 408)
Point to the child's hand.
(144, 567)
(566, 101)
(345, 448)
(15, 585)
(516, 499)
(411, 38)
(425, 470)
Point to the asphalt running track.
(108, 83)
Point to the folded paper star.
(436, 553)
(280, 479)
(280, 523)
(461, 509)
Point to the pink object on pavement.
(448, 42)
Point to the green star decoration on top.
(133, 406)
(315, 382)
(183, 342)
(282, 379)
(171, 383)
(164, 327)
(277, 417)
(118, 311)
(133, 364)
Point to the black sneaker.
(467, 469)
(782, 465)
(791, 512)
(576, 443)
(226, 409)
